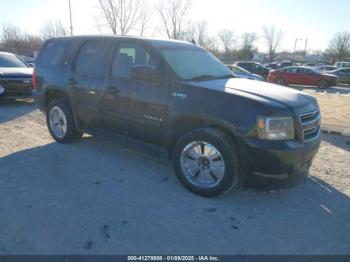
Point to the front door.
(138, 108)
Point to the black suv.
(219, 129)
(255, 68)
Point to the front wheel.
(206, 162)
(323, 84)
(60, 122)
(280, 81)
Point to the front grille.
(15, 87)
(310, 125)
(311, 133)
(309, 117)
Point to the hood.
(329, 74)
(263, 92)
(16, 72)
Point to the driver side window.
(129, 55)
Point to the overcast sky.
(317, 20)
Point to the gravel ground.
(111, 195)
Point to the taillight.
(34, 83)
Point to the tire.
(222, 168)
(59, 116)
(323, 84)
(280, 81)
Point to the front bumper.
(15, 88)
(282, 160)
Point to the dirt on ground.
(112, 195)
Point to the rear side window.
(291, 70)
(92, 59)
(53, 54)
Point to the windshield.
(192, 63)
(9, 60)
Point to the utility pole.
(305, 50)
(70, 16)
(295, 46)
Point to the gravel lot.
(111, 195)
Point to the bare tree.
(247, 46)
(339, 46)
(10, 32)
(13, 40)
(173, 14)
(197, 32)
(145, 19)
(11, 37)
(227, 38)
(53, 28)
(122, 16)
(272, 37)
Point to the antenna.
(70, 16)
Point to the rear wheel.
(60, 122)
(206, 162)
(323, 84)
(280, 81)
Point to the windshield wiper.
(227, 76)
(208, 77)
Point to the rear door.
(304, 76)
(138, 108)
(89, 78)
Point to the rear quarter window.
(92, 58)
(54, 54)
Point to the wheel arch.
(52, 94)
(182, 125)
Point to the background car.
(325, 68)
(242, 73)
(28, 60)
(254, 68)
(342, 64)
(343, 75)
(299, 75)
(273, 65)
(284, 64)
(15, 77)
(313, 64)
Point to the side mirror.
(145, 73)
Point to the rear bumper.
(277, 159)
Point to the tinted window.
(10, 60)
(128, 56)
(53, 54)
(304, 71)
(291, 70)
(92, 59)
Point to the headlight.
(276, 128)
